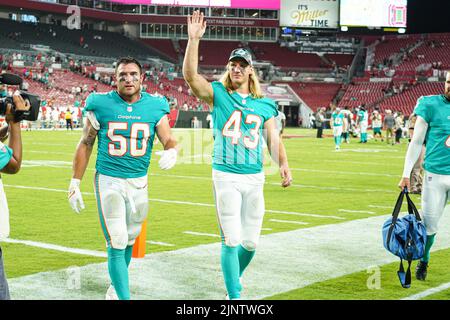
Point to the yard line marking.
(428, 292)
(48, 144)
(57, 247)
(201, 234)
(305, 214)
(182, 202)
(356, 211)
(159, 243)
(381, 207)
(358, 162)
(349, 172)
(196, 273)
(288, 221)
(50, 152)
(279, 184)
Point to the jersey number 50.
(119, 144)
(235, 133)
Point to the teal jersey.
(5, 155)
(435, 110)
(363, 116)
(126, 134)
(238, 130)
(338, 119)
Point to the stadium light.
(344, 28)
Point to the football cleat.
(111, 294)
(421, 270)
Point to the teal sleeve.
(5, 155)
(422, 110)
(89, 104)
(273, 110)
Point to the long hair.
(254, 86)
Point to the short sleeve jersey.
(125, 138)
(338, 119)
(435, 110)
(363, 116)
(238, 133)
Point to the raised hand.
(196, 25)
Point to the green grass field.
(329, 188)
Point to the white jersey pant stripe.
(240, 207)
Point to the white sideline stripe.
(356, 211)
(57, 247)
(428, 292)
(288, 221)
(195, 274)
(159, 243)
(180, 202)
(201, 234)
(266, 229)
(349, 172)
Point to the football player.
(240, 113)
(377, 123)
(432, 123)
(363, 122)
(336, 123)
(125, 122)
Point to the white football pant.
(435, 193)
(337, 131)
(363, 127)
(122, 205)
(240, 207)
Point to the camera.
(35, 101)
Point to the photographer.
(10, 162)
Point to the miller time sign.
(309, 13)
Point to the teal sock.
(245, 256)
(128, 253)
(230, 268)
(118, 272)
(338, 141)
(429, 243)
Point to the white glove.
(75, 198)
(168, 158)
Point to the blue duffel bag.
(405, 237)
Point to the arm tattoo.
(89, 135)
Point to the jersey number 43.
(232, 129)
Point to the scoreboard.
(373, 13)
